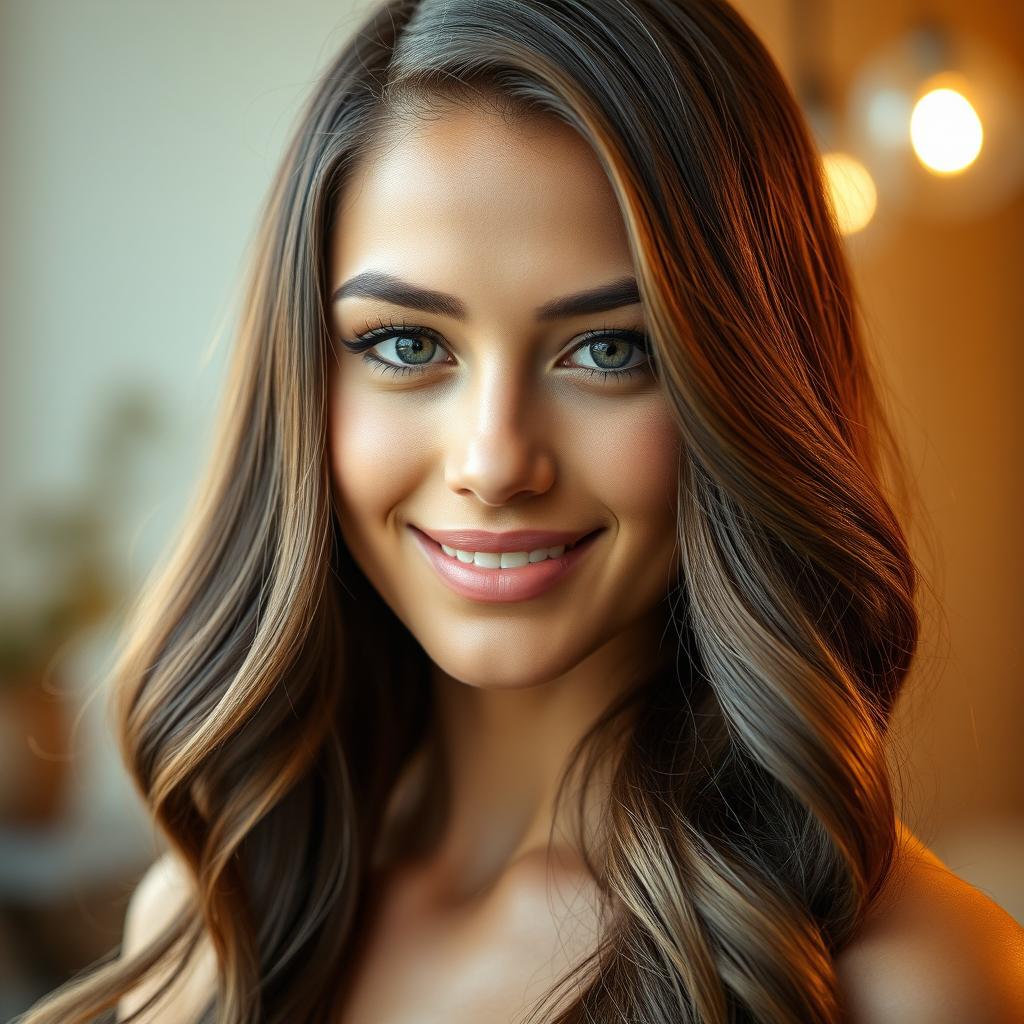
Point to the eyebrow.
(374, 284)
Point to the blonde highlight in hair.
(267, 699)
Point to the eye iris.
(415, 346)
(617, 348)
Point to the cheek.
(632, 465)
(376, 454)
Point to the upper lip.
(513, 540)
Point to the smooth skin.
(508, 429)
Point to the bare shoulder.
(159, 895)
(933, 949)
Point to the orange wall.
(944, 305)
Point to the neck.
(499, 755)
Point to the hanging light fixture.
(945, 130)
(851, 190)
(938, 118)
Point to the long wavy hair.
(266, 699)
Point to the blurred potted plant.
(69, 543)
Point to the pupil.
(600, 349)
(403, 346)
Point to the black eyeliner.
(386, 330)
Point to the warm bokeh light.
(852, 191)
(945, 131)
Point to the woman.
(531, 649)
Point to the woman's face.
(489, 412)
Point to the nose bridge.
(498, 447)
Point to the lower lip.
(498, 585)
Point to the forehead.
(467, 196)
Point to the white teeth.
(504, 559)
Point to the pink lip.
(513, 540)
(496, 585)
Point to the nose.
(500, 451)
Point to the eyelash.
(384, 330)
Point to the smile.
(505, 559)
(495, 576)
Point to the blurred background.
(138, 141)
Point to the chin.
(489, 673)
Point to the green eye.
(615, 353)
